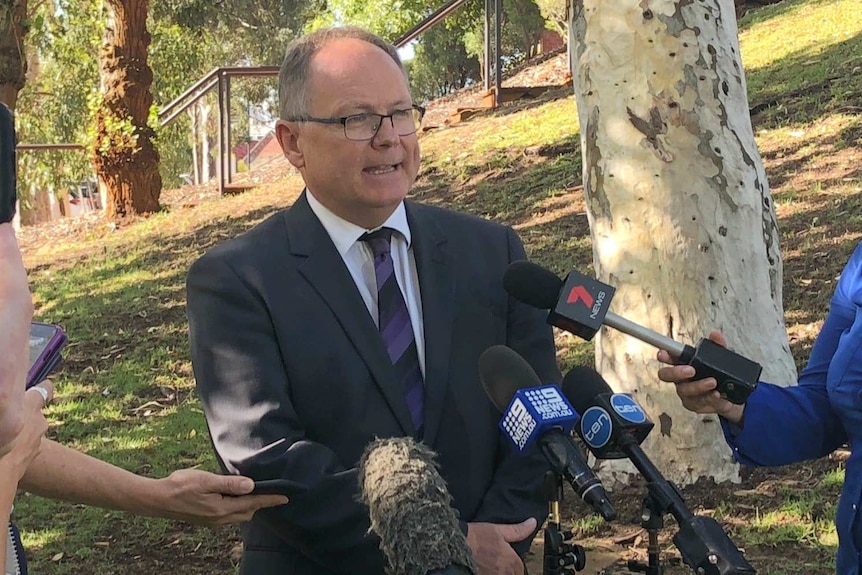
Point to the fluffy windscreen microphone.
(7, 165)
(411, 510)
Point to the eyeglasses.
(360, 127)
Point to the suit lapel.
(324, 269)
(437, 285)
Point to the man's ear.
(287, 134)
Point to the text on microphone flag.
(533, 411)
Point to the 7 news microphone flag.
(581, 305)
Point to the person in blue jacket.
(781, 425)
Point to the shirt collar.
(344, 234)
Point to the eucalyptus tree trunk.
(126, 159)
(13, 64)
(681, 217)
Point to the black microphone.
(411, 510)
(581, 305)
(535, 412)
(7, 165)
(615, 423)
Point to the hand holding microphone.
(699, 395)
(581, 304)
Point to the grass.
(126, 393)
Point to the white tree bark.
(193, 139)
(681, 217)
(205, 109)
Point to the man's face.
(360, 181)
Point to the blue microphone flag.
(535, 410)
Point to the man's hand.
(699, 396)
(490, 545)
(208, 499)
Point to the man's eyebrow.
(361, 107)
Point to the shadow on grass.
(807, 85)
(766, 13)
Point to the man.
(310, 338)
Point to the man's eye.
(358, 119)
(398, 114)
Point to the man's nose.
(386, 134)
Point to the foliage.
(53, 105)
(522, 28)
(441, 64)
(252, 30)
(555, 13)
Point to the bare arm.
(190, 495)
(16, 312)
(22, 449)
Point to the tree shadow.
(829, 85)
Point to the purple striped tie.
(394, 325)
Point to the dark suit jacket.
(295, 380)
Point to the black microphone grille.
(502, 372)
(532, 284)
(581, 385)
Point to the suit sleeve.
(244, 388)
(516, 491)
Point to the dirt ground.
(609, 550)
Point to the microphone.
(581, 305)
(411, 510)
(7, 165)
(613, 423)
(536, 413)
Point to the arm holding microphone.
(765, 430)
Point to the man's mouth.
(380, 170)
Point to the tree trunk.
(13, 64)
(681, 217)
(193, 140)
(126, 159)
(206, 157)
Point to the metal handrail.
(428, 22)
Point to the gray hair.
(293, 78)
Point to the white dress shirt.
(359, 260)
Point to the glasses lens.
(361, 126)
(406, 121)
(365, 126)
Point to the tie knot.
(378, 241)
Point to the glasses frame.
(344, 119)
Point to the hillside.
(126, 392)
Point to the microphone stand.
(560, 557)
(703, 544)
(651, 520)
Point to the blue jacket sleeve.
(788, 424)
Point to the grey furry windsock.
(411, 509)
